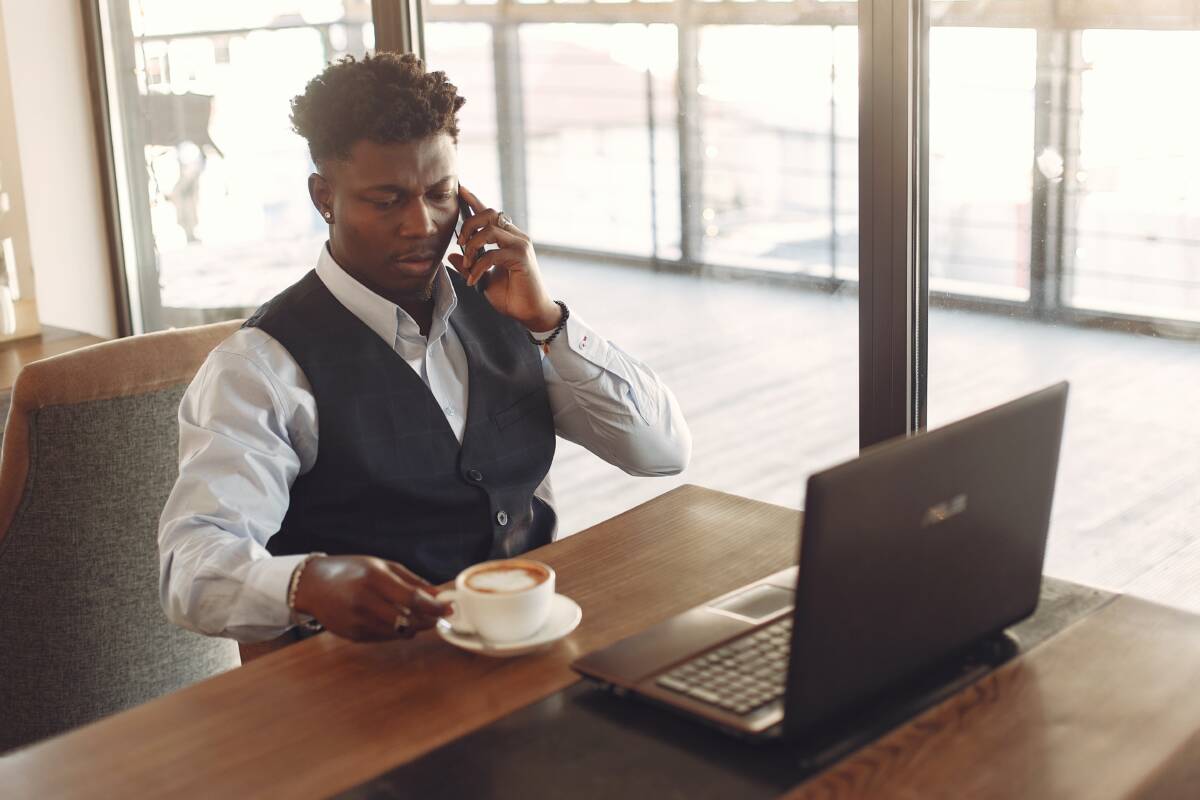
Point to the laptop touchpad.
(756, 603)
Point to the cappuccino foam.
(505, 579)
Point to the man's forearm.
(616, 407)
(216, 584)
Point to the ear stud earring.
(329, 215)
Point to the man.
(436, 392)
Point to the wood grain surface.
(1107, 709)
(326, 714)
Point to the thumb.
(455, 259)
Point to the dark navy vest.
(391, 479)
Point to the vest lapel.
(402, 372)
(468, 325)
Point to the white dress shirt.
(248, 428)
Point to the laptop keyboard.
(741, 676)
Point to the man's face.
(394, 210)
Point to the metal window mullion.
(399, 26)
(510, 120)
(833, 153)
(889, 261)
(127, 125)
(109, 177)
(918, 288)
(1043, 208)
(1070, 129)
(652, 134)
(691, 163)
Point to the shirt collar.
(388, 320)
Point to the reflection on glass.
(1063, 193)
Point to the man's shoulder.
(287, 302)
(250, 349)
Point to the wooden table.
(1107, 708)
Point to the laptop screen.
(917, 549)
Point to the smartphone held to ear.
(464, 211)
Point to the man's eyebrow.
(397, 189)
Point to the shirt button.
(501, 518)
(475, 475)
(449, 411)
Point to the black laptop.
(911, 554)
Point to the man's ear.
(321, 194)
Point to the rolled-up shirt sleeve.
(236, 467)
(609, 402)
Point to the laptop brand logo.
(944, 511)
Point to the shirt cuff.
(268, 579)
(579, 354)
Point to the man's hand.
(510, 277)
(361, 598)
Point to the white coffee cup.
(501, 601)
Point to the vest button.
(475, 475)
(502, 518)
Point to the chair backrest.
(90, 453)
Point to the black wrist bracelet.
(562, 322)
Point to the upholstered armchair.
(89, 455)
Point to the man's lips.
(415, 258)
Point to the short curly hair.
(384, 98)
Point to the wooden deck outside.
(767, 378)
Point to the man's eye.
(442, 196)
(383, 204)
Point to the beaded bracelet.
(294, 583)
(562, 322)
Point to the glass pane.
(1136, 228)
(1065, 220)
(692, 193)
(463, 50)
(773, 171)
(586, 148)
(980, 185)
(214, 172)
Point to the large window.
(1063, 178)
(216, 218)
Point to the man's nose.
(416, 221)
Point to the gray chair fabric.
(82, 633)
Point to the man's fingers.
(426, 604)
(403, 589)
(376, 619)
(482, 221)
(475, 218)
(472, 201)
(407, 575)
(479, 270)
(492, 234)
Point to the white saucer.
(565, 615)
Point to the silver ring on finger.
(402, 620)
(504, 220)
